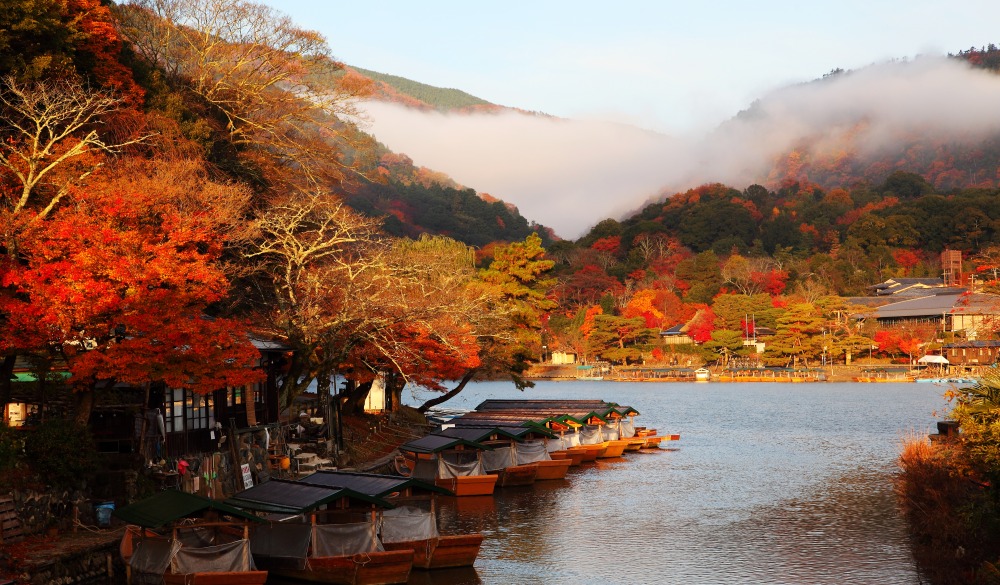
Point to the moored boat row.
(328, 527)
(505, 443)
(360, 528)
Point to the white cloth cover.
(498, 458)
(609, 433)
(626, 428)
(407, 523)
(562, 442)
(221, 558)
(151, 558)
(530, 452)
(591, 435)
(459, 464)
(338, 540)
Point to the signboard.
(247, 478)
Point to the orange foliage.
(120, 282)
(588, 320)
(644, 304)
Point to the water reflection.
(770, 483)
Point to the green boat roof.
(436, 443)
(294, 497)
(169, 506)
(372, 484)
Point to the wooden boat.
(322, 535)
(552, 469)
(430, 549)
(185, 539)
(516, 451)
(517, 475)
(452, 463)
(614, 448)
(575, 457)
(590, 452)
(382, 568)
(635, 444)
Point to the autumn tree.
(430, 326)
(619, 339)
(314, 263)
(50, 143)
(118, 281)
(282, 97)
(702, 276)
(798, 335)
(509, 338)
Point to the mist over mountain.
(847, 126)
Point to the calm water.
(770, 483)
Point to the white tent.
(933, 359)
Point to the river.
(769, 483)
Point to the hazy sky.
(678, 69)
(663, 65)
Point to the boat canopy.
(478, 434)
(437, 443)
(170, 506)
(524, 431)
(378, 486)
(294, 497)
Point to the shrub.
(61, 452)
(11, 448)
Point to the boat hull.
(469, 485)
(517, 475)
(575, 456)
(375, 568)
(442, 552)
(614, 448)
(590, 452)
(552, 469)
(230, 578)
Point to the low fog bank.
(570, 174)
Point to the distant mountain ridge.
(414, 94)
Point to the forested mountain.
(420, 95)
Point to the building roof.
(898, 285)
(675, 330)
(937, 305)
(968, 344)
(168, 506)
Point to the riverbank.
(538, 372)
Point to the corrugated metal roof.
(968, 344)
(163, 508)
(436, 443)
(295, 497)
(371, 484)
(478, 434)
(943, 304)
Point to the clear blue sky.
(662, 65)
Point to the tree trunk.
(448, 395)
(7, 378)
(356, 395)
(84, 403)
(323, 392)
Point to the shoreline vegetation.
(946, 488)
(867, 373)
